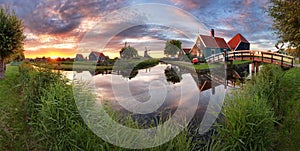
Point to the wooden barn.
(210, 45)
(79, 57)
(239, 42)
(97, 56)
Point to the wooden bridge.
(255, 56)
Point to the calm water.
(155, 85)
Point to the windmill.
(146, 55)
(280, 49)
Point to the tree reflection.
(173, 74)
(128, 73)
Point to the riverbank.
(38, 112)
(13, 125)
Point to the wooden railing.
(254, 55)
(215, 58)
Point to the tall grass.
(248, 125)
(54, 120)
(263, 115)
(268, 85)
(56, 123)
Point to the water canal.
(164, 85)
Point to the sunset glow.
(57, 31)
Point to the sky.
(62, 28)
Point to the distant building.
(186, 50)
(79, 57)
(239, 42)
(210, 45)
(97, 56)
(195, 51)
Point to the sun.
(54, 57)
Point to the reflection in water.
(128, 73)
(173, 77)
(139, 90)
(173, 74)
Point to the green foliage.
(172, 47)
(129, 69)
(11, 33)
(11, 36)
(286, 21)
(128, 52)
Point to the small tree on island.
(11, 36)
(172, 47)
(128, 52)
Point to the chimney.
(212, 33)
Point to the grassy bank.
(204, 66)
(91, 66)
(47, 117)
(13, 131)
(264, 115)
(38, 112)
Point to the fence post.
(281, 60)
(272, 58)
(242, 54)
(234, 55)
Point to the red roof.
(221, 43)
(186, 50)
(99, 54)
(209, 41)
(234, 42)
(214, 42)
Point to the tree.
(128, 52)
(172, 47)
(286, 21)
(11, 36)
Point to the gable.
(236, 40)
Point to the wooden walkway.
(254, 56)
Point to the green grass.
(264, 115)
(289, 130)
(204, 66)
(38, 112)
(13, 129)
(248, 125)
(55, 121)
